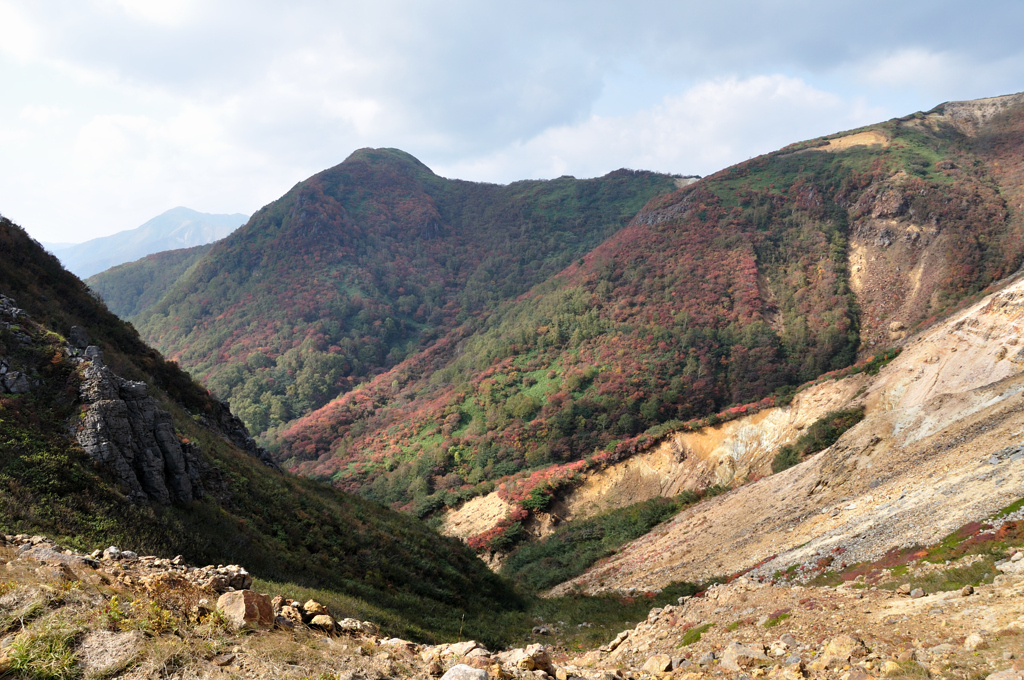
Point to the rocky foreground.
(116, 614)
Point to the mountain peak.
(176, 228)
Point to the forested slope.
(132, 288)
(363, 265)
(736, 288)
(280, 526)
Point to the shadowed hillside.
(132, 288)
(58, 396)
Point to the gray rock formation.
(78, 337)
(233, 429)
(14, 382)
(122, 428)
(125, 430)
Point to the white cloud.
(909, 67)
(123, 108)
(42, 115)
(710, 126)
(18, 36)
(162, 12)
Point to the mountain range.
(779, 404)
(362, 266)
(469, 332)
(174, 229)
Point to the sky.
(113, 111)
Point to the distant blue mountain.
(174, 229)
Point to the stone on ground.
(464, 672)
(246, 608)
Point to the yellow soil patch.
(475, 516)
(866, 138)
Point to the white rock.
(974, 642)
(463, 672)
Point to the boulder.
(291, 614)
(526, 664)
(78, 337)
(15, 383)
(541, 659)
(737, 656)
(354, 627)
(314, 608)
(791, 672)
(1012, 567)
(463, 672)
(1008, 674)
(838, 652)
(322, 622)
(975, 642)
(463, 648)
(659, 663)
(891, 668)
(496, 672)
(246, 608)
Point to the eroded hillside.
(731, 290)
(941, 446)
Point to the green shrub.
(578, 544)
(45, 652)
(822, 434)
(693, 635)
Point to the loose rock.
(246, 608)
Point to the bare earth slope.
(936, 451)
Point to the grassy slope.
(365, 263)
(281, 527)
(718, 293)
(131, 288)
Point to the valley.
(765, 423)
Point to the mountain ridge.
(826, 250)
(366, 263)
(173, 229)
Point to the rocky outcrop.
(124, 429)
(233, 429)
(245, 608)
(12, 381)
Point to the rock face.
(125, 430)
(246, 608)
(233, 429)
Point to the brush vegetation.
(823, 433)
(281, 527)
(730, 291)
(577, 544)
